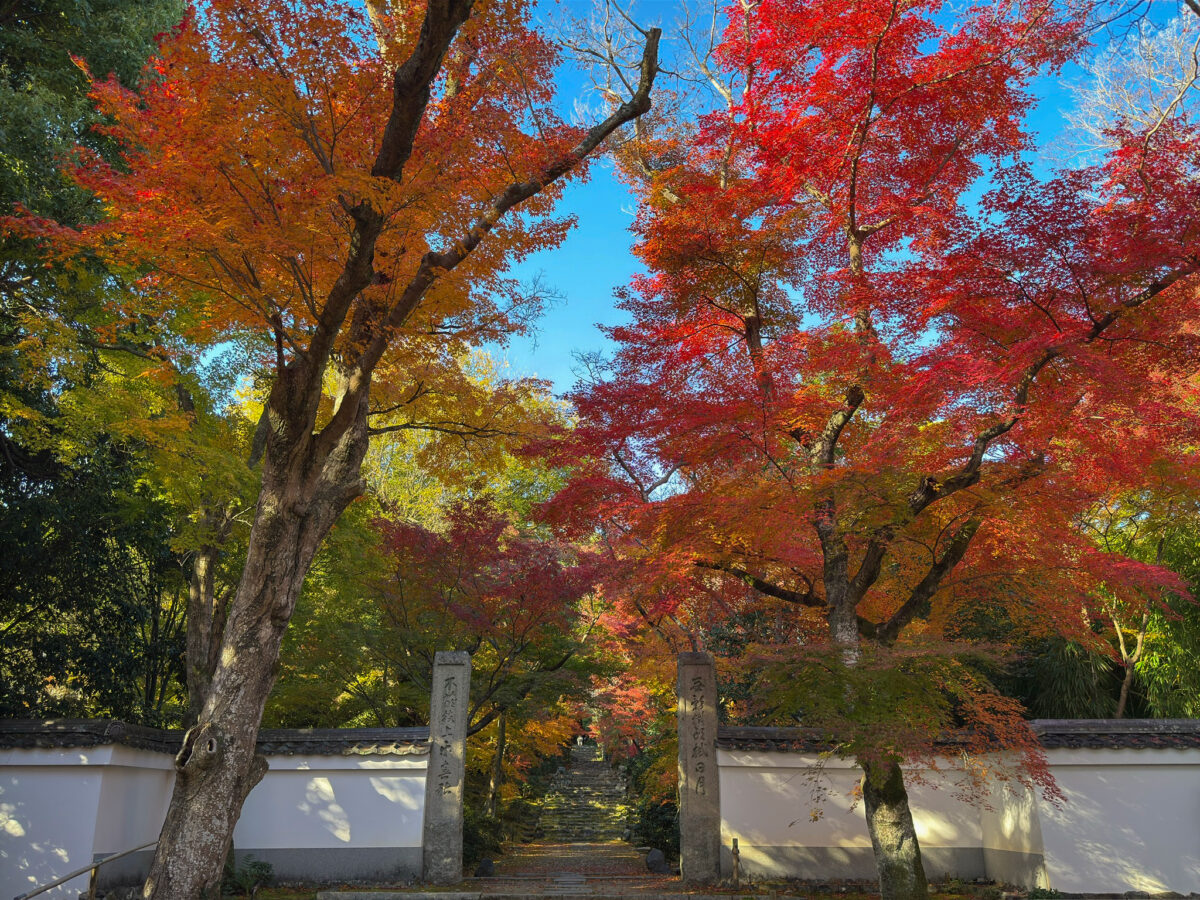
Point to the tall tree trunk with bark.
(497, 776)
(302, 496)
(889, 819)
(311, 464)
(893, 835)
(205, 626)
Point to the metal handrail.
(88, 868)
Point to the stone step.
(570, 817)
(607, 817)
(580, 822)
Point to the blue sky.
(595, 258)
(590, 264)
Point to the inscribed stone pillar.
(442, 846)
(699, 798)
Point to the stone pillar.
(699, 794)
(442, 843)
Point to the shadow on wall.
(1127, 827)
(936, 828)
(1129, 822)
(339, 806)
(26, 863)
(819, 807)
(320, 798)
(396, 790)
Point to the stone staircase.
(587, 802)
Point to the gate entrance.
(584, 845)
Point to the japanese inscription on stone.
(445, 738)
(699, 748)
(699, 784)
(443, 832)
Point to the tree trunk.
(1123, 699)
(893, 836)
(205, 625)
(1130, 660)
(300, 499)
(497, 777)
(889, 820)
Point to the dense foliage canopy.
(900, 424)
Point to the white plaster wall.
(1011, 830)
(1131, 821)
(770, 799)
(942, 819)
(1011, 820)
(59, 808)
(48, 805)
(133, 798)
(335, 801)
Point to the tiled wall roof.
(1114, 734)
(271, 741)
(1135, 734)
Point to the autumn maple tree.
(342, 188)
(853, 385)
(518, 601)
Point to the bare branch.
(645, 490)
(1141, 81)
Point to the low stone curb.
(526, 895)
(579, 891)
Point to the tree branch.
(435, 263)
(823, 449)
(931, 488)
(412, 83)
(411, 88)
(800, 598)
(918, 600)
